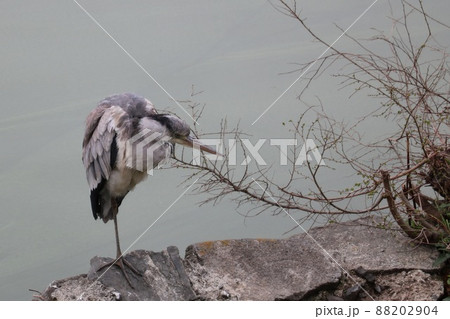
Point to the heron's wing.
(99, 151)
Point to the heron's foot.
(121, 262)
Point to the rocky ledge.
(347, 261)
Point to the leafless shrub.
(407, 173)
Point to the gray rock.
(77, 288)
(252, 269)
(377, 288)
(352, 293)
(258, 269)
(368, 276)
(371, 248)
(334, 298)
(413, 285)
(326, 264)
(162, 276)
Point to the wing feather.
(97, 148)
(112, 117)
(107, 127)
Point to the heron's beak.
(190, 142)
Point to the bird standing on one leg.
(113, 165)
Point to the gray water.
(56, 64)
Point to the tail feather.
(102, 203)
(96, 200)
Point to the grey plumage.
(111, 159)
(107, 155)
(114, 117)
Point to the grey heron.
(108, 153)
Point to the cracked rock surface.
(259, 269)
(354, 245)
(162, 276)
(336, 262)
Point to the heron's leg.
(119, 255)
(116, 230)
(120, 260)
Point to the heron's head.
(179, 132)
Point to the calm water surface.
(56, 64)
